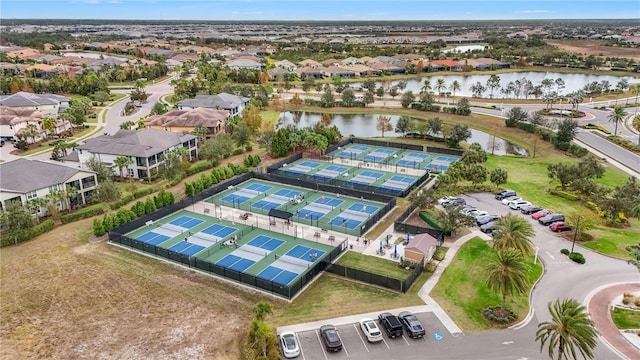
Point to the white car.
(445, 199)
(510, 199)
(468, 211)
(477, 214)
(371, 330)
(289, 344)
(517, 205)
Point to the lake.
(364, 125)
(92, 55)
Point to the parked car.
(371, 330)
(550, 219)
(506, 201)
(517, 205)
(330, 337)
(411, 324)
(455, 202)
(488, 227)
(481, 220)
(505, 194)
(560, 226)
(478, 213)
(530, 209)
(445, 199)
(391, 325)
(541, 214)
(289, 344)
(468, 211)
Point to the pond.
(572, 82)
(364, 125)
(92, 55)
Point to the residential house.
(310, 64)
(285, 64)
(363, 70)
(275, 74)
(145, 148)
(389, 68)
(310, 72)
(50, 103)
(26, 179)
(233, 103)
(14, 122)
(187, 121)
(422, 246)
(487, 64)
(448, 64)
(343, 73)
(245, 64)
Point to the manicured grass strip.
(373, 264)
(462, 289)
(626, 319)
(612, 242)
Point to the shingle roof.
(22, 98)
(12, 116)
(25, 175)
(143, 143)
(220, 101)
(422, 243)
(198, 117)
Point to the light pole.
(575, 233)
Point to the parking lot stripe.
(343, 347)
(360, 336)
(385, 342)
(405, 340)
(299, 345)
(324, 351)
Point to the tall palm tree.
(426, 86)
(508, 274)
(569, 331)
(635, 89)
(441, 85)
(514, 232)
(49, 124)
(616, 117)
(122, 162)
(455, 86)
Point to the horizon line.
(306, 20)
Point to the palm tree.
(426, 86)
(49, 124)
(122, 162)
(493, 83)
(569, 331)
(635, 89)
(508, 275)
(616, 117)
(441, 85)
(32, 132)
(514, 232)
(635, 252)
(455, 86)
(636, 125)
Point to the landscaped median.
(463, 293)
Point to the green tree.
(617, 116)
(493, 83)
(49, 124)
(171, 166)
(98, 228)
(101, 97)
(262, 310)
(634, 251)
(16, 220)
(384, 124)
(514, 115)
(407, 99)
(452, 219)
(498, 176)
(122, 162)
(348, 97)
(567, 130)
(215, 148)
(403, 125)
(455, 86)
(569, 332)
(327, 98)
(241, 134)
(423, 198)
(459, 132)
(636, 125)
(435, 126)
(513, 232)
(107, 191)
(508, 275)
(158, 108)
(103, 172)
(476, 173)
(149, 206)
(35, 206)
(279, 144)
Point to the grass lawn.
(462, 290)
(612, 241)
(626, 319)
(372, 264)
(334, 296)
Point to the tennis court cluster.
(304, 205)
(441, 163)
(393, 156)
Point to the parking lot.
(355, 345)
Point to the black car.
(505, 194)
(550, 219)
(481, 220)
(455, 202)
(411, 324)
(530, 209)
(391, 324)
(330, 337)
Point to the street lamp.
(575, 233)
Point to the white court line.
(361, 339)
(324, 351)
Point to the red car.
(541, 214)
(560, 226)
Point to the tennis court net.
(253, 250)
(321, 206)
(356, 214)
(298, 264)
(205, 237)
(279, 197)
(249, 193)
(172, 228)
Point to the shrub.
(441, 252)
(87, 212)
(488, 313)
(578, 151)
(577, 257)
(39, 229)
(237, 151)
(430, 219)
(122, 202)
(248, 148)
(198, 168)
(98, 229)
(565, 251)
(564, 195)
(144, 192)
(430, 267)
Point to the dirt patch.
(64, 298)
(596, 48)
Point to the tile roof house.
(285, 64)
(421, 246)
(186, 121)
(245, 64)
(14, 121)
(310, 63)
(146, 148)
(233, 103)
(448, 64)
(343, 73)
(50, 103)
(27, 179)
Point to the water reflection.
(364, 125)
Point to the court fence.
(400, 285)
(452, 152)
(286, 291)
(401, 227)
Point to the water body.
(364, 125)
(92, 56)
(573, 82)
(464, 48)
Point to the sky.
(345, 10)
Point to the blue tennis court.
(348, 154)
(302, 252)
(369, 209)
(309, 214)
(186, 222)
(378, 155)
(373, 174)
(235, 198)
(345, 222)
(259, 187)
(235, 263)
(264, 205)
(412, 159)
(446, 158)
(335, 168)
(218, 230)
(404, 179)
(311, 164)
(287, 193)
(265, 242)
(186, 248)
(277, 275)
(435, 167)
(152, 238)
(359, 147)
(329, 201)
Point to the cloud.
(534, 12)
